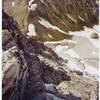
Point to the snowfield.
(82, 52)
(87, 33)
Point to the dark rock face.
(33, 71)
(94, 36)
(6, 36)
(7, 40)
(30, 84)
(56, 77)
(37, 79)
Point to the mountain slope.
(34, 64)
(51, 20)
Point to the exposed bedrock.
(38, 73)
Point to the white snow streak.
(13, 4)
(50, 36)
(48, 25)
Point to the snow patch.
(95, 53)
(31, 29)
(87, 33)
(91, 70)
(13, 4)
(30, 2)
(42, 1)
(59, 48)
(72, 18)
(65, 52)
(75, 64)
(50, 36)
(81, 18)
(57, 42)
(81, 52)
(72, 53)
(46, 24)
(32, 6)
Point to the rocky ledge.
(32, 71)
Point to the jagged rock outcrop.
(10, 68)
(94, 36)
(41, 74)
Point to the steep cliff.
(50, 49)
(38, 73)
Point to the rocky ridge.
(40, 73)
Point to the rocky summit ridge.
(50, 50)
(32, 71)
